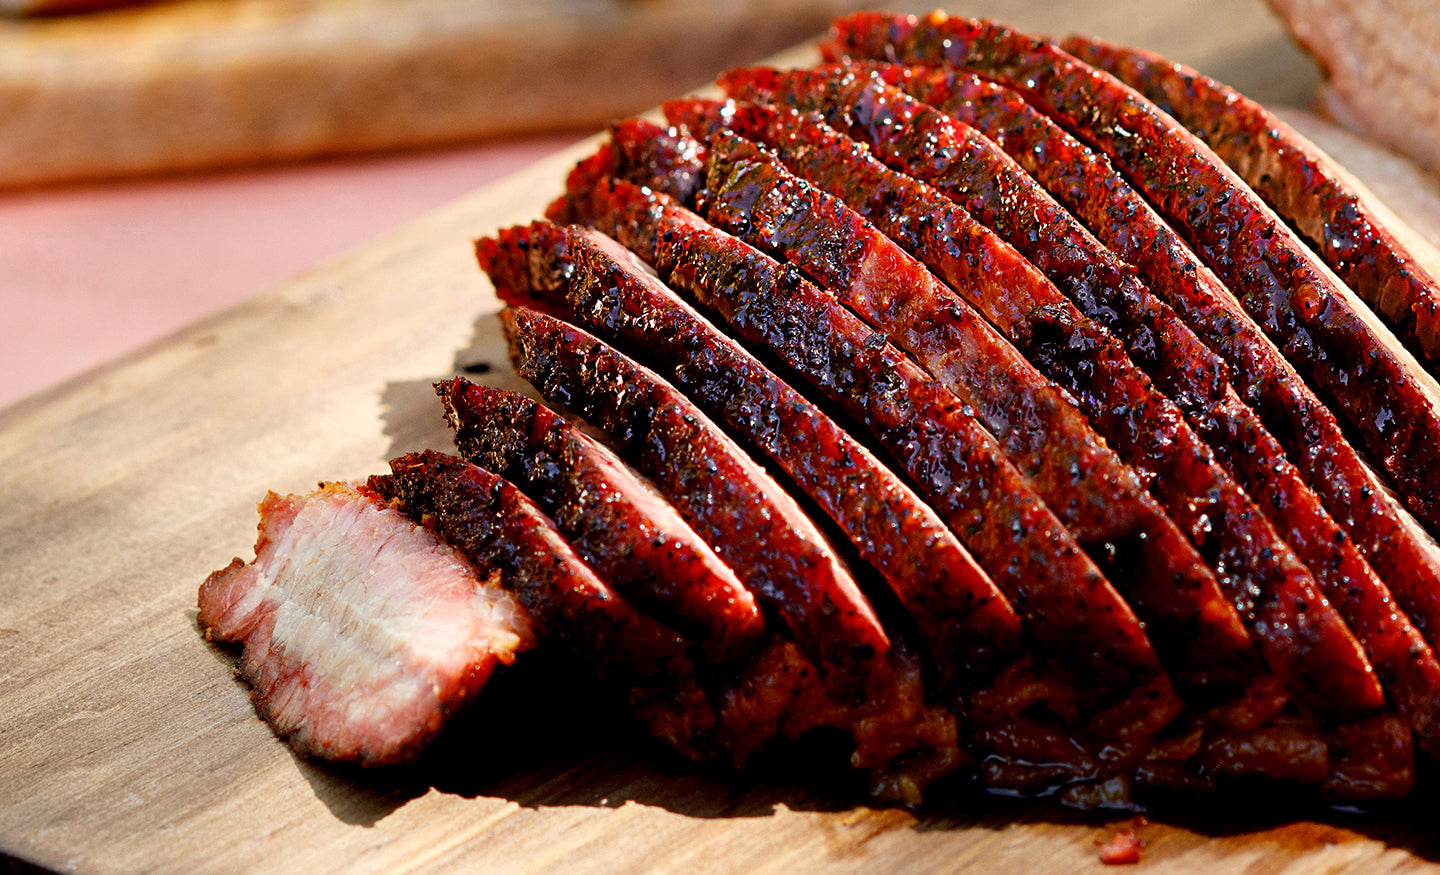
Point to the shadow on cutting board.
(413, 416)
(542, 736)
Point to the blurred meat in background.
(1382, 64)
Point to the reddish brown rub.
(970, 626)
(526, 264)
(1331, 336)
(363, 632)
(1089, 187)
(1070, 609)
(1166, 581)
(1009, 292)
(633, 538)
(1302, 184)
(970, 168)
(489, 520)
(728, 499)
(1302, 637)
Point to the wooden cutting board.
(127, 745)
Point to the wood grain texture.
(188, 84)
(127, 745)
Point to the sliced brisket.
(971, 628)
(1094, 191)
(1024, 305)
(724, 495)
(1303, 185)
(1319, 323)
(631, 536)
(1302, 637)
(1072, 613)
(487, 519)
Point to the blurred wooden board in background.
(174, 85)
(187, 84)
(126, 744)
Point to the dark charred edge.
(521, 262)
(654, 558)
(1197, 631)
(1380, 388)
(728, 499)
(1086, 185)
(488, 519)
(970, 626)
(955, 464)
(1301, 184)
(679, 162)
(1092, 190)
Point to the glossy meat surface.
(1319, 324)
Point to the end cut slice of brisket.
(363, 632)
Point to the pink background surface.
(90, 272)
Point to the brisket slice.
(1321, 326)
(1074, 620)
(363, 633)
(1022, 303)
(1302, 637)
(970, 626)
(1091, 189)
(725, 496)
(527, 265)
(1165, 580)
(632, 537)
(487, 519)
(1302, 184)
(1085, 182)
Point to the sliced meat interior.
(486, 518)
(363, 632)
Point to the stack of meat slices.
(956, 396)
